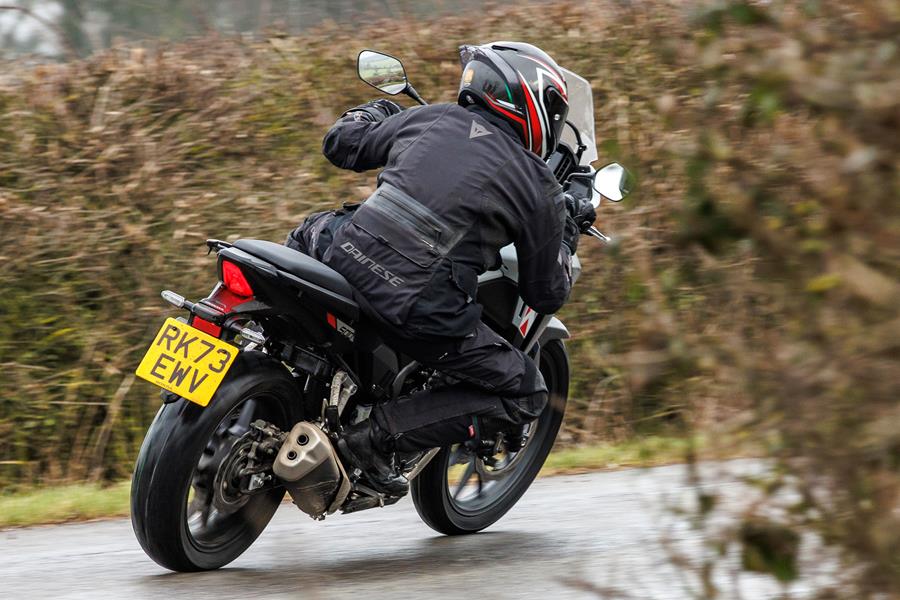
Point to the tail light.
(223, 300)
(233, 279)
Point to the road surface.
(601, 535)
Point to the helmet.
(521, 84)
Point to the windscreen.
(581, 114)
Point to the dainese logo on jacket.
(370, 264)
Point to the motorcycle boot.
(370, 448)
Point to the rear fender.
(253, 362)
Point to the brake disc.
(228, 494)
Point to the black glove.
(374, 111)
(580, 216)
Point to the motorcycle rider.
(459, 182)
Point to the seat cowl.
(297, 264)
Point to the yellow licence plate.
(187, 361)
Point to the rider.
(459, 182)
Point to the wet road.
(602, 535)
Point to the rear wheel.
(459, 492)
(186, 509)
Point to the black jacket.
(457, 186)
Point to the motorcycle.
(261, 377)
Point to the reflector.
(206, 327)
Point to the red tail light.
(233, 278)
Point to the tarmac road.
(601, 535)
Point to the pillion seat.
(298, 264)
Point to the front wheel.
(185, 514)
(459, 493)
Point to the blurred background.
(748, 308)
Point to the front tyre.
(184, 514)
(458, 493)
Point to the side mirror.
(382, 71)
(613, 182)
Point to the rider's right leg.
(494, 388)
(498, 387)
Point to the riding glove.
(580, 216)
(374, 111)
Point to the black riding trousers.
(491, 384)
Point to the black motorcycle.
(261, 377)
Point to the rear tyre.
(456, 493)
(178, 470)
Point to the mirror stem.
(581, 146)
(412, 93)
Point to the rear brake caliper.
(248, 468)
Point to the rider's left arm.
(545, 278)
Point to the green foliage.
(714, 16)
(769, 548)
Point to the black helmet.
(521, 84)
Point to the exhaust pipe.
(311, 471)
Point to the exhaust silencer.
(311, 471)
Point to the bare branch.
(70, 50)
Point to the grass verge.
(73, 502)
(82, 502)
(637, 452)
